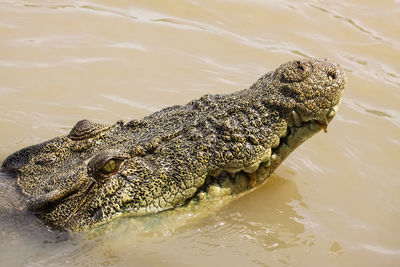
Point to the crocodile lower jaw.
(233, 181)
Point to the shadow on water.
(244, 220)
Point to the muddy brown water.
(334, 202)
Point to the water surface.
(335, 201)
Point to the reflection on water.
(335, 200)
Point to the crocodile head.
(218, 144)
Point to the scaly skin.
(180, 153)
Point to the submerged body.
(181, 153)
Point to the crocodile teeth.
(234, 170)
(324, 125)
(275, 141)
(266, 156)
(253, 167)
(296, 118)
(331, 113)
(215, 173)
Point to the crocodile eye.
(105, 164)
(109, 166)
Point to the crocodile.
(215, 145)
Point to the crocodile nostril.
(299, 66)
(296, 71)
(331, 75)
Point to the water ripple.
(129, 103)
(147, 16)
(26, 64)
(352, 22)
